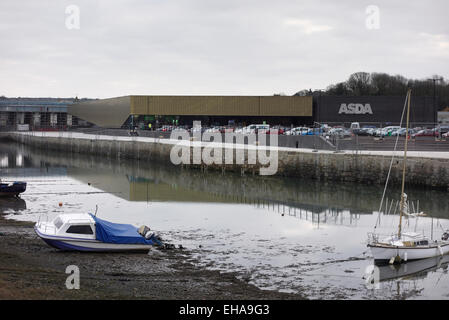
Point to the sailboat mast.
(409, 93)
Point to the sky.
(102, 49)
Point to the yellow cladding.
(286, 106)
(222, 105)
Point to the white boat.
(409, 246)
(405, 246)
(86, 232)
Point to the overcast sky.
(213, 47)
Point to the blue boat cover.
(109, 232)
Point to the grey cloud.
(212, 47)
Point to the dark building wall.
(385, 109)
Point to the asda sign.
(355, 108)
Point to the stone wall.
(322, 165)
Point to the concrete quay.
(427, 169)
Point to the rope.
(391, 165)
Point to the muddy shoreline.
(29, 269)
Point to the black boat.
(12, 189)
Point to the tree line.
(383, 84)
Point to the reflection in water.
(278, 233)
(142, 181)
(420, 267)
(11, 204)
(411, 279)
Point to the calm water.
(284, 234)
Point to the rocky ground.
(30, 269)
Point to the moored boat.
(12, 189)
(408, 247)
(405, 246)
(86, 232)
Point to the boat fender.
(441, 250)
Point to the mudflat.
(30, 269)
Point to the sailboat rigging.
(405, 246)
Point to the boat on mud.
(86, 232)
(405, 246)
(12, 189)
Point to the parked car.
(178, 129)
(425, 133)
(383, 132)
(298, 131)
(325, 127)
(275, 131)
(366, 131)
(401, 132)
(442, 129)
(226, 129)
(314, 131)
(212, 130)
(339, 132)
(256, 129)
(355, 127)
(198, 129)
(165, 128)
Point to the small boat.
(86, 232)
(405, 246)
(12, 189)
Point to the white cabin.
(80, 225)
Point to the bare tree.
(360, 83)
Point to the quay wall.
(300, 163)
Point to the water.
(281, 234)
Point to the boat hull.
(73, 244)
(12, 190)
(383, 254)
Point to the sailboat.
(405, 246)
